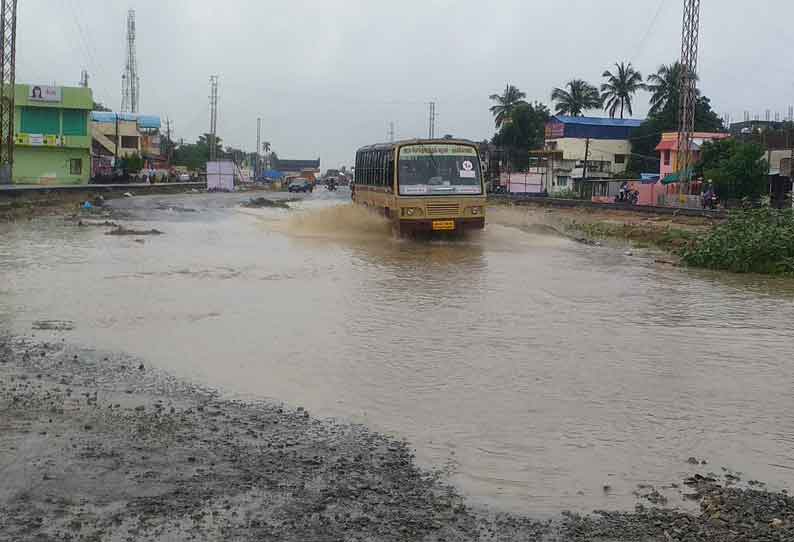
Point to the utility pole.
(213, 116)
(584, 167)
(169, 146)
(258, 146)
(84, 79)
(391, 132)
(431, 125)
(688, 93)
(8, 55)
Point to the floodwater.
(532, 370)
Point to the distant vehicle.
(427, 185)
(330, 184)
(183, 177)
(300, 185)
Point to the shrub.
(751, 241)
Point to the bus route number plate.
(443, 225)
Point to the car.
(300, 185)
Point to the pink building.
(668, 149)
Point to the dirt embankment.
(99, 447)
(667, 232)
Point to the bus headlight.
(476, 210)
(412, 211)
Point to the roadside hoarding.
(44, 93)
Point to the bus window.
(389, 168)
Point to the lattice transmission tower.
(213, 117)
(130, 83)
(8, 53)
(688, 90)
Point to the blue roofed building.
(120, 135)
(605, 141)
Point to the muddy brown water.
(532, 369)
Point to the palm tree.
(579, 97)
(665, 85)
(506, 104)
(620, 88)
(266, 150)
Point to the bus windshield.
(438, 168)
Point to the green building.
(52, 134)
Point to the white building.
(604, 141)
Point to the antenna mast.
(129, 80)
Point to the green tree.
(99, 106)
(132, 163)
(524, 133)
(737, 169)
(506, 103)
(579, 97)
(620, 88)
(665, 87)
(195, 155)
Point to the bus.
(422, 185)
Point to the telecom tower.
(213, 116)
(688, 90)
(129, 81)
(8, 53)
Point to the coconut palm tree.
(579, 97)
(266, 150)
(620, 88)
(506, 103)
(664, 86)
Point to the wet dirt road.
(534, 369)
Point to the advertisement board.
(43, 93)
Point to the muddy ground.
(102, 447)
(31, 204)
(667, 232)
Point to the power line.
(641, 45)
(87, 46)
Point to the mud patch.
(260, 202)
(121, 230)
(55, 325)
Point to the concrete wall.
(43, 165)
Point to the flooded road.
(532, 369)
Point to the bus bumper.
(426, 225)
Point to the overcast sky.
(327, 76)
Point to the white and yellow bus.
(422, 185)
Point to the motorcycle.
(631, 197)
(710, 202)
